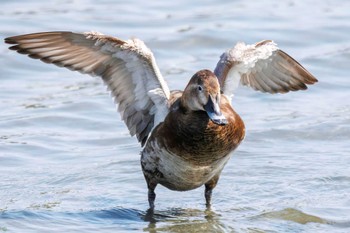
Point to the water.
(68, 164)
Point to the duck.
(186, 137)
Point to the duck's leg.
(151, 185)
(150, 173)
(151, 194)
(209, 186)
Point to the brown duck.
(187, 136)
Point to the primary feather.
(128, 68)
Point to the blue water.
(68, 164)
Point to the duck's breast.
(195, 138)
(187, 149)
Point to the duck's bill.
(214, 112)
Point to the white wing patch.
(250, 54)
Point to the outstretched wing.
(128, 68)
(262, 66)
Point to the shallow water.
(68, 164)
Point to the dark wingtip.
(10, 40)
(16, 48)
(308, 77)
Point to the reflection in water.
(173, 220)
(184, 220)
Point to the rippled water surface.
(68, 164)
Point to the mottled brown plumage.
(195, 147)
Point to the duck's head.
(203, 94)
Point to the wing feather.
(263, 67)
(128, 68)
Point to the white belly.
(176, 173)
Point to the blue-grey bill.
(214, 112)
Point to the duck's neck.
(188, 103)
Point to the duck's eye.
(200, 88)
